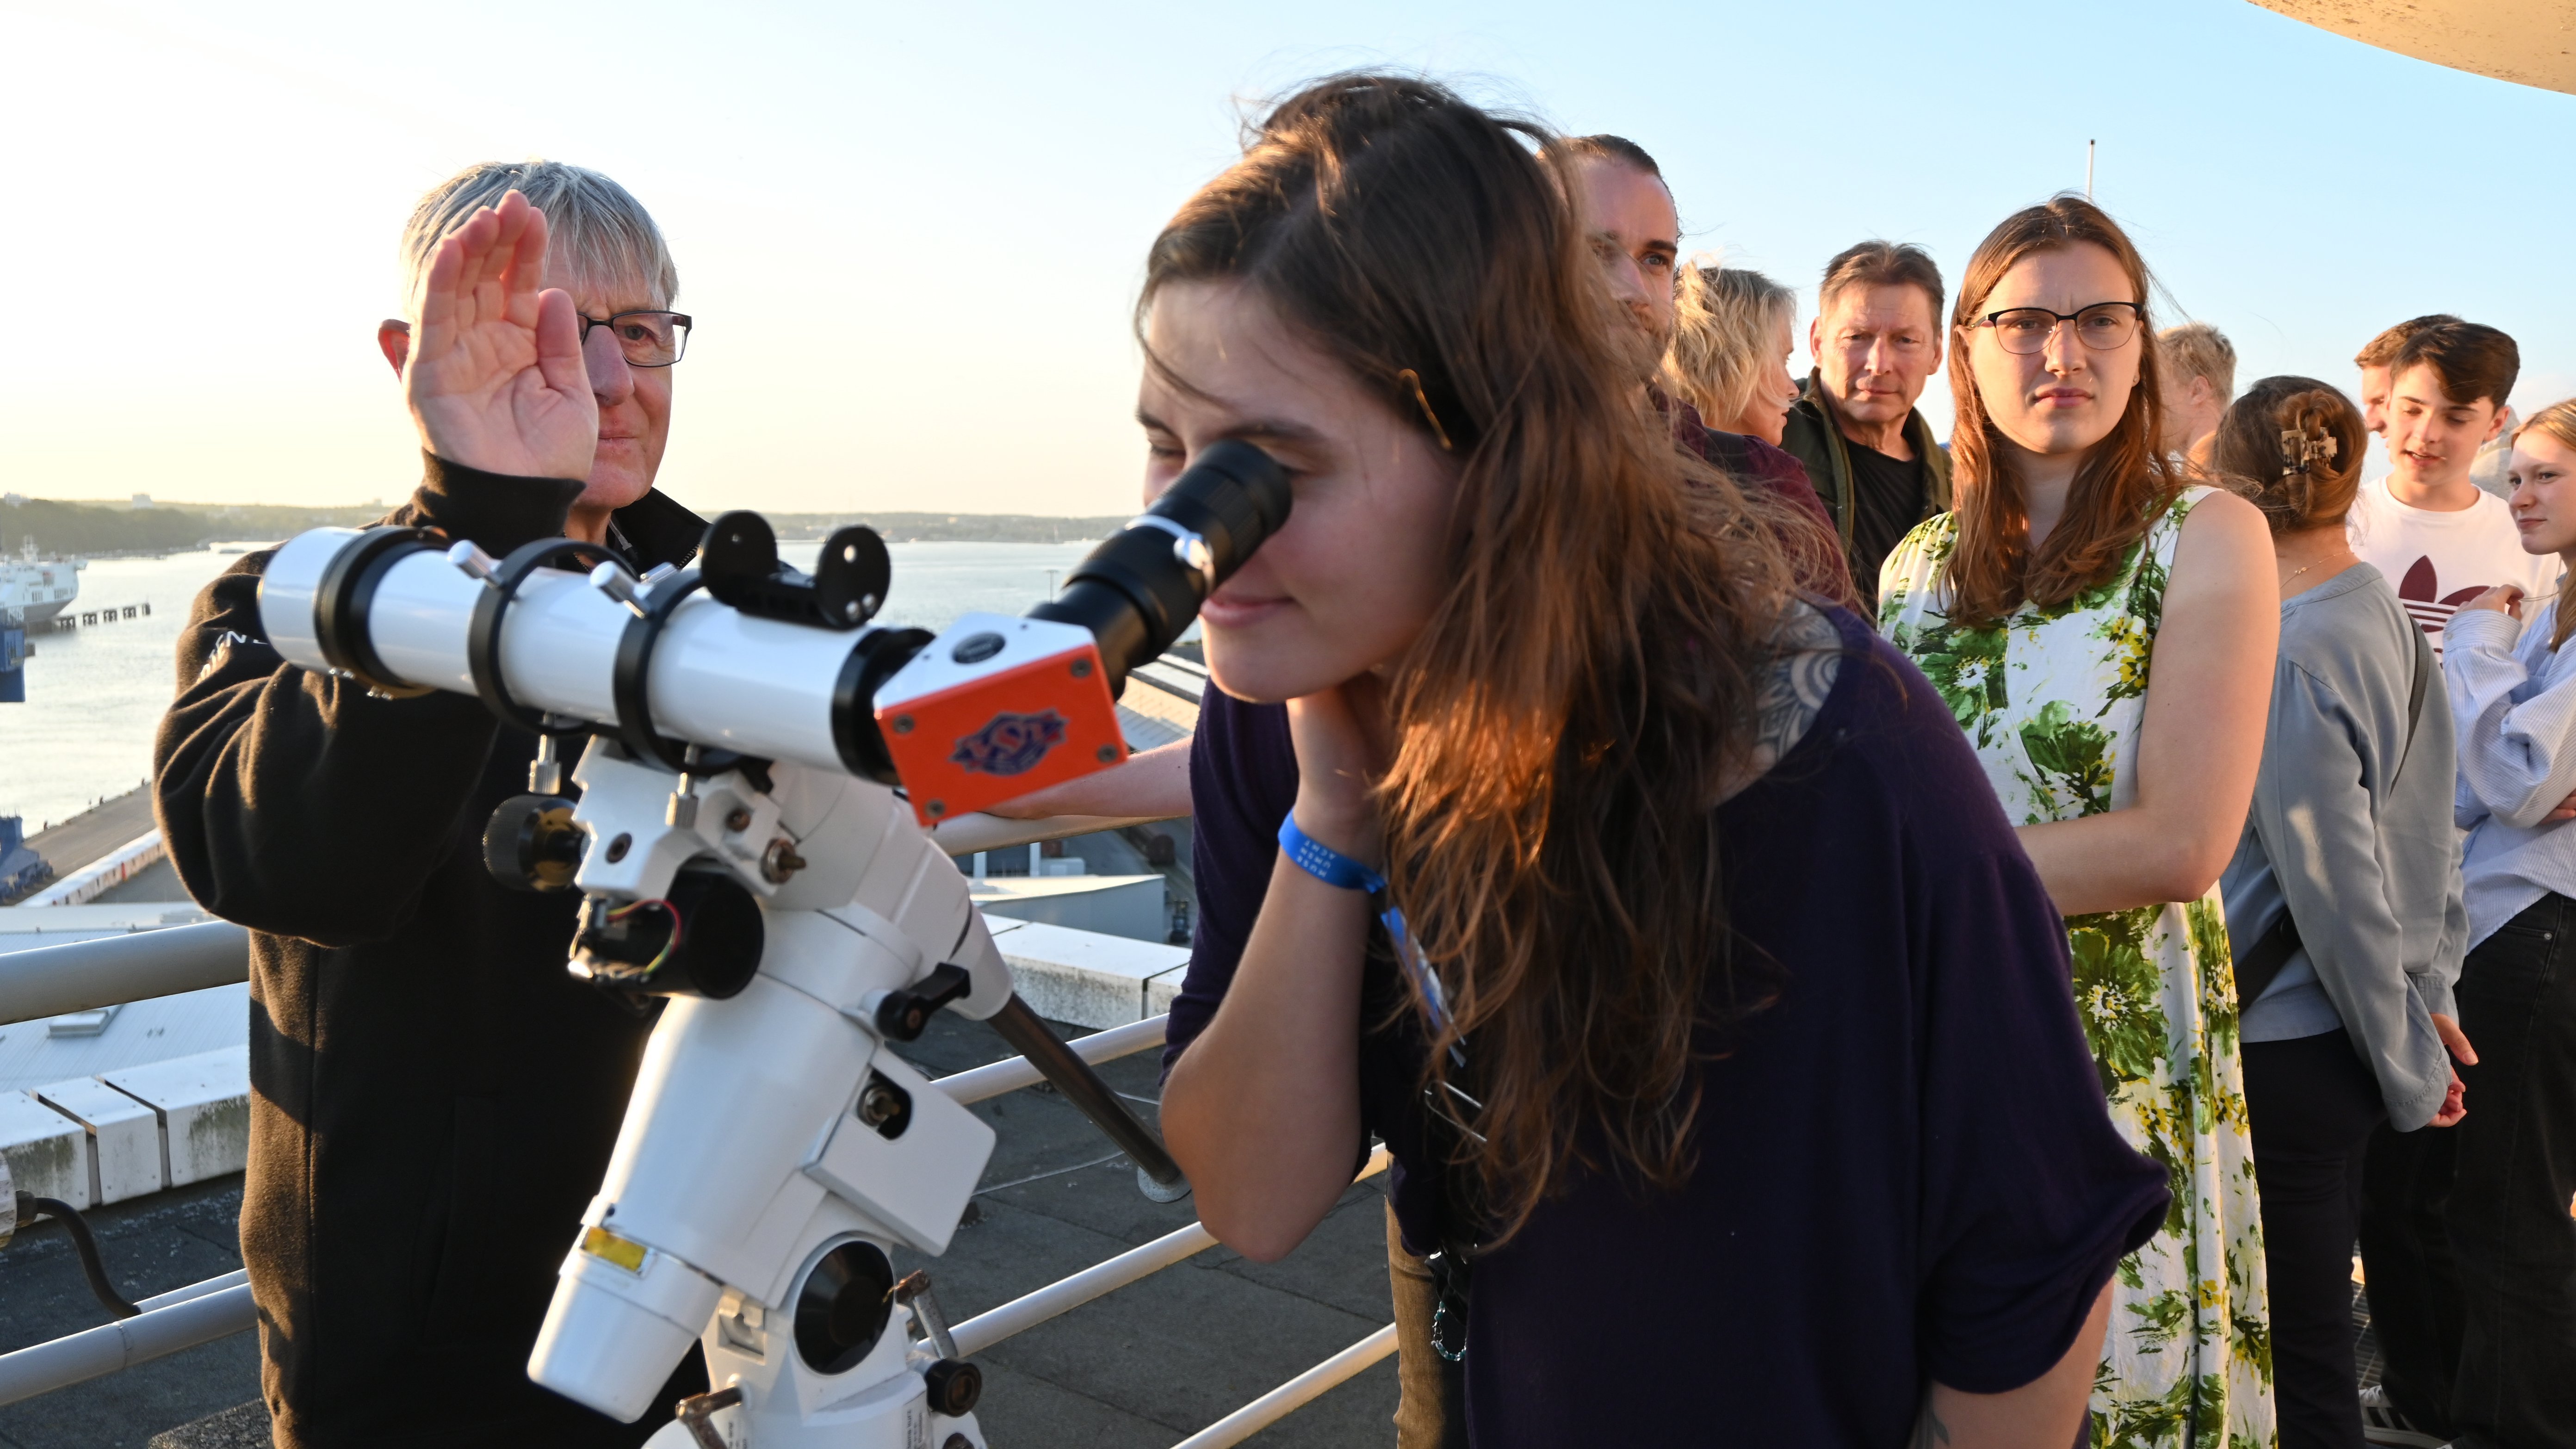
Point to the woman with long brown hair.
(1816, 1145)
(2105, 635)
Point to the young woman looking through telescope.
(1746, 1018)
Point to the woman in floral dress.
(2105, 637)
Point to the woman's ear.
(393, 338)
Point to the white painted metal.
(742, 1158)
(81, 975)
(719, 677)
(984, 1330)
(1293, 1395)
(203, 1102)
(287, 588)
(969, 833)
(980, 1083)
(124, 1137)
(1023, 642)
(197, 1314)
(47, 1152)
(1019, 1315)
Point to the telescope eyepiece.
(1139, 590)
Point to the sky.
(912, 235)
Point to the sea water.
(96, 695)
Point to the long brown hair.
(1567, 718)
(2123, 485)
(2293, 446)
(2557, 422)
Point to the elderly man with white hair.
(433, 1099)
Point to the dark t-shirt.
(1906, 1171)
(1887, 498)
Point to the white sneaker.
(2382, 1424)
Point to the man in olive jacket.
(433, 1099)
(1876, 339)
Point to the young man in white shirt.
(2438, 538)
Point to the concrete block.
(47, 1152)
(124, 1137)
(1159, 990)
(1083, 977)
(1114, 905)
(203, 1102)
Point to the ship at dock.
(34, 589)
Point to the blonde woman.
(1732, 342)
(2105, 636)
(2513, 693)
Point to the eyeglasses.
(649, 339)
(2102, 326)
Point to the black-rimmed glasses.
(649, 339)
(2101, 327)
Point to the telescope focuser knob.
(902, 1015)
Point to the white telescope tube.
(718, 677)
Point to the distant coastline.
(112, 530)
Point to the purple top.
(1906, 1168)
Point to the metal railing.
(219, 1307)
(86, 975)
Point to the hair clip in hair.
(1413, 380)
(2301, 449)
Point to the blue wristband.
(1324, 863)
(1333, 868)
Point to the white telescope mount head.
(750, 843)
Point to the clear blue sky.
(912, 234)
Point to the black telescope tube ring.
(483, 635)
(628, 686)
(871, 662)
(347, 591)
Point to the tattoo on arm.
(1929, 1431)
(1809, 657)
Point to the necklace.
(2303, 568)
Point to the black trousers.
(2516, 1382)
(2312, 1103)
(2501, 1193)
(2414, 1279)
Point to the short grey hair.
(2196, 349)
(595, 226)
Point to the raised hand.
(496, 379)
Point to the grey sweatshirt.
(2362, 853)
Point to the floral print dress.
(2052, 700)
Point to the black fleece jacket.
(433, 1100)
